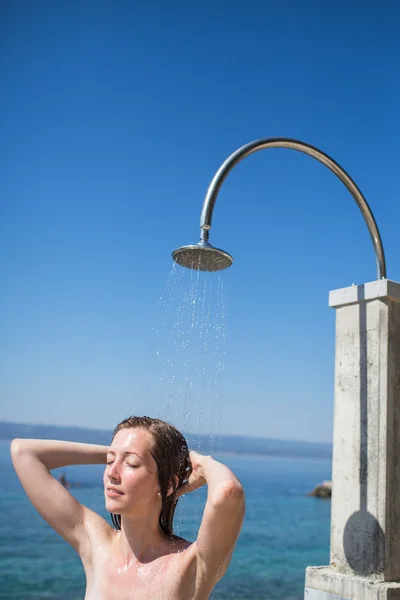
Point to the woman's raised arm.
(33, 460)
(222, 518)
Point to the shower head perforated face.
(202, 257)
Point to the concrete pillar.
(365, 521)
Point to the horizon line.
(187, 434)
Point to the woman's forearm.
(54, 454)
(218, 476)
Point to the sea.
(284, 531)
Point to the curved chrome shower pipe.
(241, 153)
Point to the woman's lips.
(113, 493)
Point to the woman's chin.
(113, 505)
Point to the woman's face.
(130, 478)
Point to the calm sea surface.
(283, 532)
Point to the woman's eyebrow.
(124, 453)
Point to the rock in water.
(322, 490)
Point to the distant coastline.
(217, 443)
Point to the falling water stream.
(189, 343)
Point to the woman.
(148, 467)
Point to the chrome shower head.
(202, 257)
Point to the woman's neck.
(141, 539)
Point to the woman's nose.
(113, 473)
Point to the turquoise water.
(283, 532)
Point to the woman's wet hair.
(171, 454)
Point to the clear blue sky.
(114, 118)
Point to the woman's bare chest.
(162, 579)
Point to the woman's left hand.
(196, 479)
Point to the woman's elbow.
(229, 492)
(17, 446)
